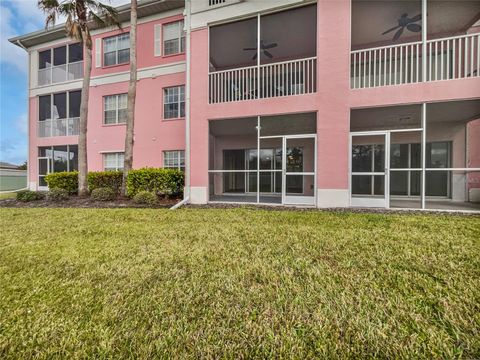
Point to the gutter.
(187, 14)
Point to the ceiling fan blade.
(269, 46)
(416, 18)
(390, 30)
(414, 27)
(398, 34)
(250, 48)
(267, 54)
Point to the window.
(174, 159)
(60, 64)
(56, 159)
(60, 55)
(116, 50)
(115, 109)
(173, 38)
(174, 102)
(113, 161)
(57, 106)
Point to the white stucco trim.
(198, 195)
(332, 198)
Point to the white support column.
(424, 147)
(424, 40)
(258, 159)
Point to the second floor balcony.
(266, 56)
(58, 127)
(59, 114)
(402, 45)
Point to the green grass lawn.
(9, 195)
(237, 283)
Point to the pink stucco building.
(317, 103)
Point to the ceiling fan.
(263, 47)
(405, 22)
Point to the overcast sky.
(17, 17)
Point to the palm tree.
(132, 92)
(79, 16)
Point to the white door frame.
(370, 201)
(49, 170)
(293, 199)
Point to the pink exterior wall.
(145, 48)
(153, 134)
(332, 103)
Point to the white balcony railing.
(294, 77)
(455, 57)
(60, 73)
(447, 59)
(58, 127)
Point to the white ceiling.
(370, 18)
(294, 31)
(408, 116)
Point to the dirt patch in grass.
(85, 202)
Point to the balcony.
(58, 127)
(449, 58)
(393, 44)
(60, 73)
(295, 77)
(262, 57)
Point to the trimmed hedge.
(103, 194)
(63, 180)
(57, 194)
(163, 182)
(105, 179)
(27, 195)
(145, 197)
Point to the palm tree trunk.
(82, 136)
(132, 92)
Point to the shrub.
(57, 194)
(27, 195)
(103, 194)
(163, 182)
(63, 180)
(105, 179)
(145, 197)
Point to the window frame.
(179, 102)
(179, 155)
(115, 51)
(67, 104)
(117, 109)
(181, 40)
(67, 55)
(117, 157)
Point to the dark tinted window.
(74, 103)
(60, 55)
(44, 110)
(60, 106)
(75, 52)
(44, 59)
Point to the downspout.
(187, 99)
(19, 43)
(186, 191)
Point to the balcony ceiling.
(371, 18)
(410, 115)
(294, 31)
